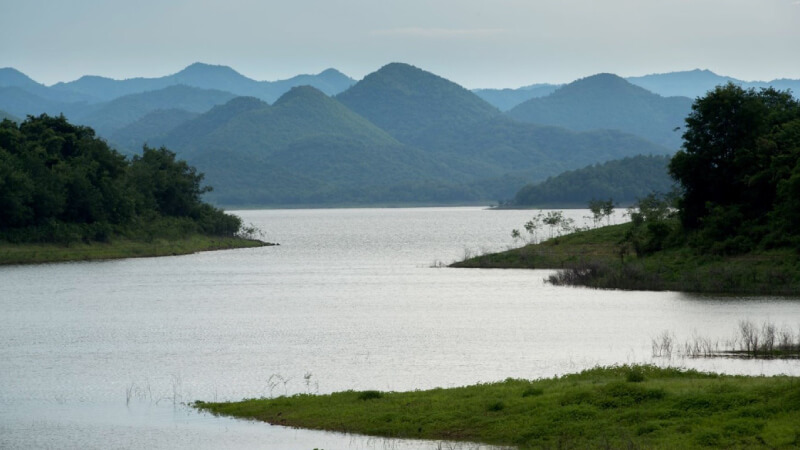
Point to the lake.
(105, 354)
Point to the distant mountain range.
(696, 83)
(399, 135)
(20, 95)
(205, 76)
(690, 83)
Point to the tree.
(601, 209)
(727, 153)
(60, 183)
(652, 223)
(167, 185)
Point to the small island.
(65, 195)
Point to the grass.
(117, 248)
(593, 258)
(612, 407)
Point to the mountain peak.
(408, 101)
(302, 93)
(10, 76)
(199, 67)
(600, 86)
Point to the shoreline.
(26, 254)
(600, 259)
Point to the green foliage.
(736, 169)
(369, 395)
(652, 223)
(624, 180)
(59, 183)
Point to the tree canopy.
(739, 169)
(59, 182)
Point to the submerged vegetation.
(752, 341)
(613, 407)
(61, 187)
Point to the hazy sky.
(476, 43)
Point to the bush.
(369, 395)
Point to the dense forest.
(60, 183)
(624, 180)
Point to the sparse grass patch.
(612, 407)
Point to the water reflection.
(94, 355)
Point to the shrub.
(369, 395)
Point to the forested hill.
(307, 148)
(408, 102)
(114, 115)
(469, 135)
(606, 101)
(59, 183)
(400, 135)
(148, 129)
(624, 180)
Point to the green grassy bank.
(618, 407)
(599, 258)
(118, 248)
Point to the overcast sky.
(476, 43)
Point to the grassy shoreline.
(119, 248)
(593, 258)
(612, 407)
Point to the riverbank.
(119, 248)
(633, 407)
(599, 258)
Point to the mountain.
(399, 135)
(695, 83)
(472, 137)
(606, 101)
(22, 102)
(307, 148)
(4, 115)
(409, 103)
(505, 99)
(10, 77)
(13, 77)
(106, 118)
(148, 129)
(205, 76)
(623, 180)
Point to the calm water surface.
(103, 354)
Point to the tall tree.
(727, 152)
